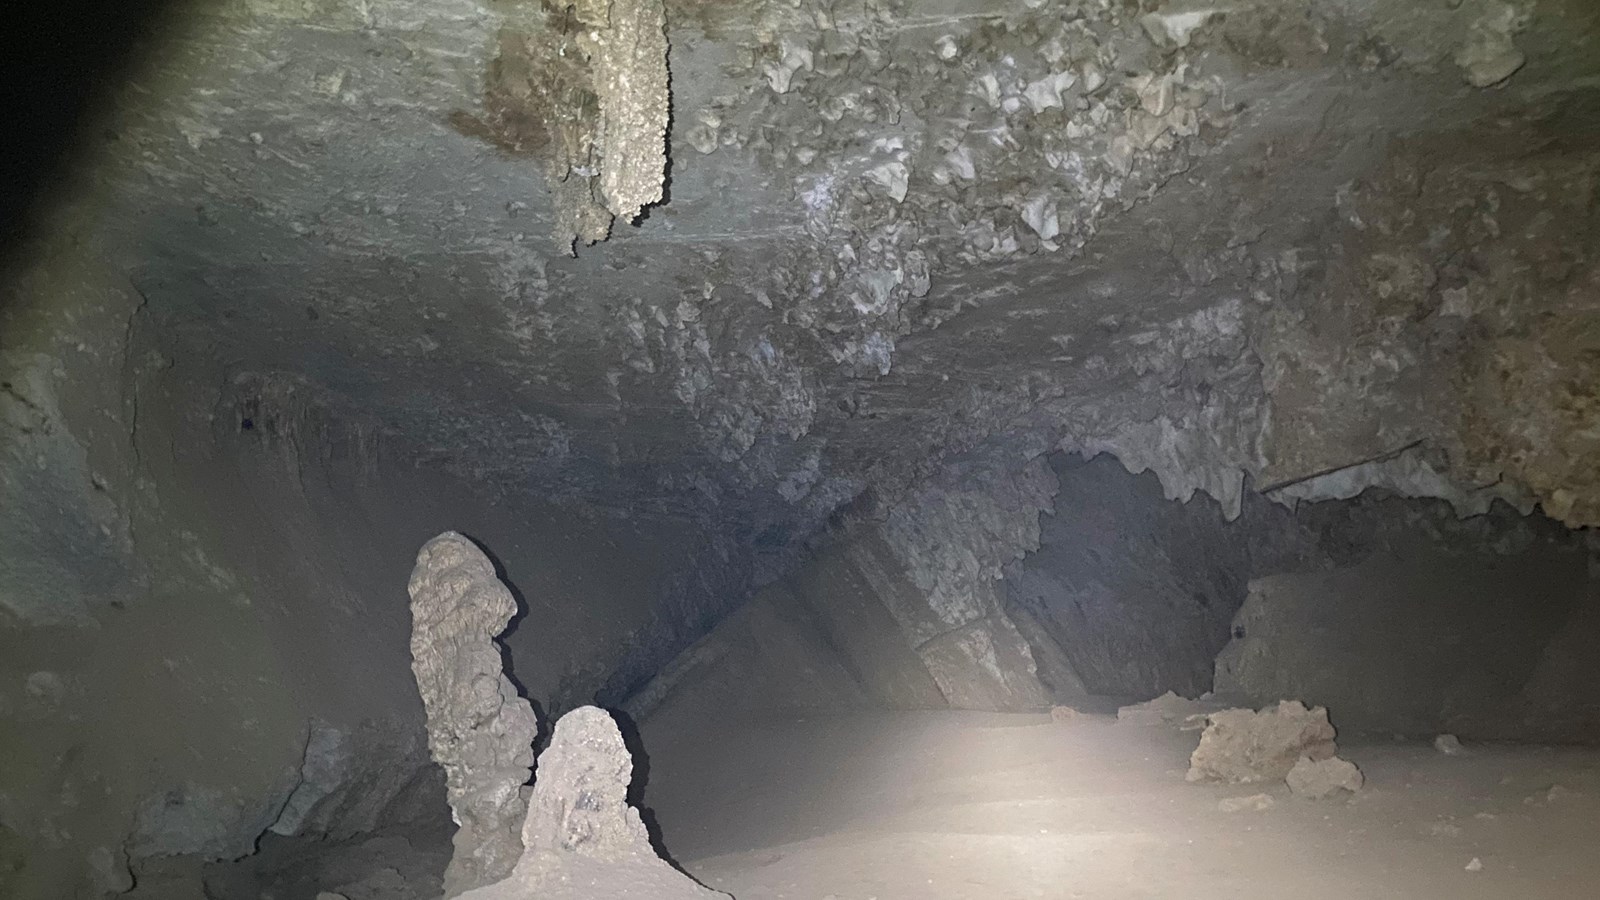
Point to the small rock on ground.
(1240, 746)
(1253, 803)
(1449, 745)
(1318, 778)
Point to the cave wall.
(203, 617)
(1478, 627)
(1398, 614)
(1138, 591)
(900, 607)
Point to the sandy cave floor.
(981, 806)
(973, 805)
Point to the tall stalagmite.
(479, 730)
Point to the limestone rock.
(356, 779)
(1449, 745)
(630, 78)
(1316, 779)
(193, 818)
(479, 731)
(1240, 746)
(1064, 714)
(1489, 56)
(582, 839)
(1174, 29)
(1168, 709)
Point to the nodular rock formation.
(479, 731)
(1286, 741)
(582, 840)
(575, 836)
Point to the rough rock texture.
(898, 232)
(582, 87)
(1474, 627)
(1131, 595)
(1139, 592)
(774, 653)
(631, 83)
(1172, 711)
(582, 839)
(1481, 617)
(1243, 746)
(300, 270)
(904, 611)
(1315, 779)
(479, 731)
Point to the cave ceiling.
(1269, 244)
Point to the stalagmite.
(583, 841)
(479, 731)
(575, 836)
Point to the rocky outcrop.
(1470, 627)
(906, 610)
(1242, 746)
(479, 731)
(871, 201)
(937, 561)
(582, 840)
(1171, 711)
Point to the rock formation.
(1316, 779)
(583, 841)
(1170, 710)
(479, 731)
(1241, 746)
(1286, 741)
(575, 835)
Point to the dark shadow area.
(1400, 615)
(641, 778)
(59, 65)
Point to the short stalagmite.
(583, 841)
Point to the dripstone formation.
(583, 841)
(576, 836)
(479, 731)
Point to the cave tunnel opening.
(1097, 448)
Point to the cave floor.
(974, 805)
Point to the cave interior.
(912, 435)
